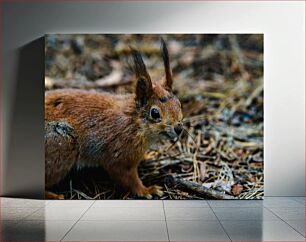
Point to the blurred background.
(219, 81)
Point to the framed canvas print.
(154, 116)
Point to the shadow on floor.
(27, 230)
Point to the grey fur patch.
(60, 127)
(93, 146)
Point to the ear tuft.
(139, 66)
(144, 88)
(165, 55)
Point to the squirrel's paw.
(144, 192)
(156, 190)
(148, 192)
(51, 195)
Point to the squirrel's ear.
(164, 51)
(144, 91)
(144, 88)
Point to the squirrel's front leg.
(142, 191)
(130, 180)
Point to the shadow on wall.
(25, 151)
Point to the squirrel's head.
(159, 109)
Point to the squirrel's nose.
(178, 130)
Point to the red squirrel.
(89, 128)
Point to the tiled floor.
(274, 219)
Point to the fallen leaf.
(237, 189)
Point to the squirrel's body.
(105, 134)
(88, 128)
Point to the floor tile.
(70, 203)
(281, 202)
(298, 225)
(39, 230)
(11, 213)
(124, 214)
(196, 231)
(235, 203)
(118, 231)
(289, 213)
(50, 213)
(189, 214)
(128, 204)
(300, 200)
(21, 203)
(185, 204)
(244, 214)
(261, 231)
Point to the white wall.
(283, 24)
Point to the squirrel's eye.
(155, 113)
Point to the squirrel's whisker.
(192, 138)
(178, 138)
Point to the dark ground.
(219, 80)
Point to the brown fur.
(87, 128)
